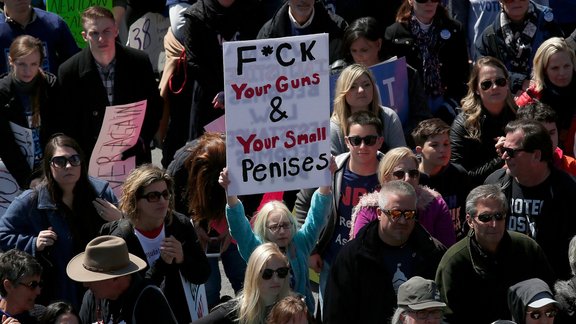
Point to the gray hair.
(15, 265)
(397, 187)
(572, 255)
(483, 192)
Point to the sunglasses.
(32, 284)
(395, 214)
(401, 174)
(368, 140)
(487, 84)
(538, 315)
(281, 272)
(277, 227)
(154, 196)
(510, 151)
(424, 1)
(62, 161)
(485, 218)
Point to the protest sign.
(70, 11)
(277, 113)
(147, 34)
(120, 131)
(195, 298)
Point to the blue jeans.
(234, 267)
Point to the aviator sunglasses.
(281, 272)
(154, 196)
(400, 174)
(368, 140)
(487, 84)
(62, 161)
(485, 218)
(537, 315)
(395, 214)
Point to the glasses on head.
(281, 272)
(368, 140)
(154, 196)
(395, 214)
(425, 314)
(538, 314)
(32, 284)
(401, 174)
(510, 151)
(487, 84)
(62, 161)
(424, 1)
(485, 218)
(281, 226)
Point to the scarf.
(426, 43)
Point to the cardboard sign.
(277, 113)
(147, 34)
(120, 131)
(195, 298)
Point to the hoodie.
(522, 294)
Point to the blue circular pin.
(445, 34)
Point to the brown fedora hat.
(106, 257)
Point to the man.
(116, 293)
(356, 175)
(106, 73)
(20, 18)
(306, 17)
(476, 272)
(418, 299)
(387, 252)
(541, 197)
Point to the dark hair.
(536, 137)
(15, 265)
(206, 198)
(405, 11)
(95, 12)
(54, 310)
(366, 27)
(537, 111)
(428, 128)
(365, 118)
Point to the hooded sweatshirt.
(522, 294)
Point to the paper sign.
(9, 188)
(277, 113)
(217, 125)
(24, 139)
(195, 298)
(147, 34)
(119, 132)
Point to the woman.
(401, 164)
(60, 313)
(356, 91)
(486, 109)
(20, 284)
(27, 96)
(531, 302)
(362, 44)
(266, 282)
(514, 36)
(435, 45)
(554, 84)
(275, 223)
(55, 220)
(156, 233)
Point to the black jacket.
(323, 22)
(195, 267)
(359, 288)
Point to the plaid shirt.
(107, 77)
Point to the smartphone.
(213, 248)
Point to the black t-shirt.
(527, 207)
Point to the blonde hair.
(391, 160)
(137, 180)
(548, 48)
(260, 228)
(345, 80)
(251, 308)
(472, 103)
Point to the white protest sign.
(195, 298)
(24, 139)
(120, 130)
(277, 113)
(147, 34)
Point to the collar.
(296, 24)
(12, 21)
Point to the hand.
(225, 182)
(225, 238)
(202, 236)
(499, 145)
(138, 149)
(106, 210)
(9, 320)
(171, 250)
(218, 101)
(325, 190)
(45, 239)
(315, 262)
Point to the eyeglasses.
(154, 196)
(281, 272)
(32, 284)
(424, 1)
(485, 218)
(368, 140)
(487, 84)
(277, 227)
(62, 161)
(510, 151)
(401, 174)
(425, 314)
(395, 214)
(538, 315)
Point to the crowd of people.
(460, 213)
